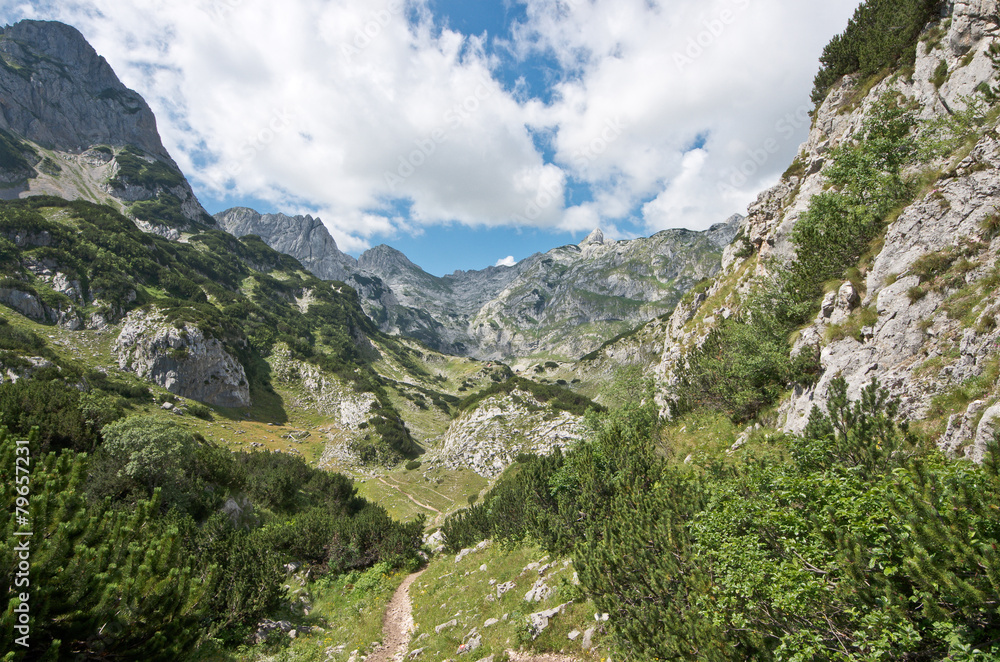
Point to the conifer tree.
(104, 582)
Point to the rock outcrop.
(60, 94)
(181, 359)
(322, 393)
(489, 438)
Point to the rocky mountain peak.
(721, 234)
(383, 259)
(59, 93)
(304, 237)
(595, 237)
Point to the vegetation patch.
(851, 328)
(137, 169)
(882, 34)
(730, 558)
(556, 397)
(141, 518)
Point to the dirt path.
(397, 630)
(443, 496)
(397, 626)
(408, 496)
(547, 657)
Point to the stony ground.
(397, 628)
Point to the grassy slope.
(464, 592)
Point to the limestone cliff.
(181, 359)
(489, 438)
(69, 127)
(922, 317)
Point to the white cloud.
(728, 71)
(508, 261)
(346, 107)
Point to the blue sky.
(466, 132)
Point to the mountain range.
(563, 303)
(771, 440)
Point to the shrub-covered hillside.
(852, 541)
(162, 546)
(82, 265)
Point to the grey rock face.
(909, 334)
(322, 393)
(303, 237)
(970, 22)
(572, 299)
(986, 432)
(539, 620)
(58, 92)
(23, 302)
(489, 438)
(32, 307)
(181, 360)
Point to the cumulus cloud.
(508, 261)
(672, 103)
(381, 121)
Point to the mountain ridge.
(493, 313)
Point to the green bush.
(882, 35)
(141, 454)
(200, 411)
(742, 367)
(105, 583)
(164, 209)
(868, 182)
(53, 407)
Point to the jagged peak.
(595, 237)
(384, 255)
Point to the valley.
(774, 439)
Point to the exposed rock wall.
(489, 438)
(61, 94)
(921, 336)
(57, 93)
(181, 360)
